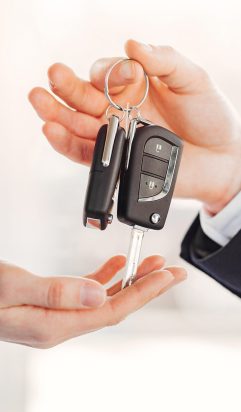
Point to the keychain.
(145, 158)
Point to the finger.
(174, 69)
(148, 265)
(109, 269)
(49, 109)
(178, 272)
(137, 295)
(79, 94)
(78, 149)
(119, 306)
(142, 291)
(53, 327)
(19, 287)
(128, 72)
(179, 275)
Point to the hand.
(42, 312)
(182, 98)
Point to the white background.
(182, 352)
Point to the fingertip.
(158, 259)
(179, 273)
(132, 46)
(125, 73)
(150, 264)
(58, 75)
(57, 136)
(155, 261)
(48, 132)
(154, 283)
(51, 129)
(117, 262)
(34, 94)
(129, 44)
(42, 101)
(162, 277)
(54, 68)
(167, 275)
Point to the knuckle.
(55, 293)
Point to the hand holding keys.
(146, 160)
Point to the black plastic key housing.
(103, 180)
(147, 184)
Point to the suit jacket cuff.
(222, 263)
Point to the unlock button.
(150, 186)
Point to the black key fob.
(147, 181)
(103, 180)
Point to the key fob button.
(158, 147)
(150, 186)
(154, 166)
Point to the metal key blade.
(137, 234)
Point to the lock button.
(150, 186)
(158, 147)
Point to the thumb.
(175, 70)
(19, 287)
(128, 72)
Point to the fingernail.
(51, 84)
(92, 296)
(127, 71)
(167, 277)
(146, 47)
(180, 274)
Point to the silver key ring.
(107, 94)
(108, 115)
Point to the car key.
(148, 176)
(104, 174)
(148, 158)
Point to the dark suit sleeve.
(221, 263)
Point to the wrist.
(218, 199)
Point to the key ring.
(107, 114)
(107, 94)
